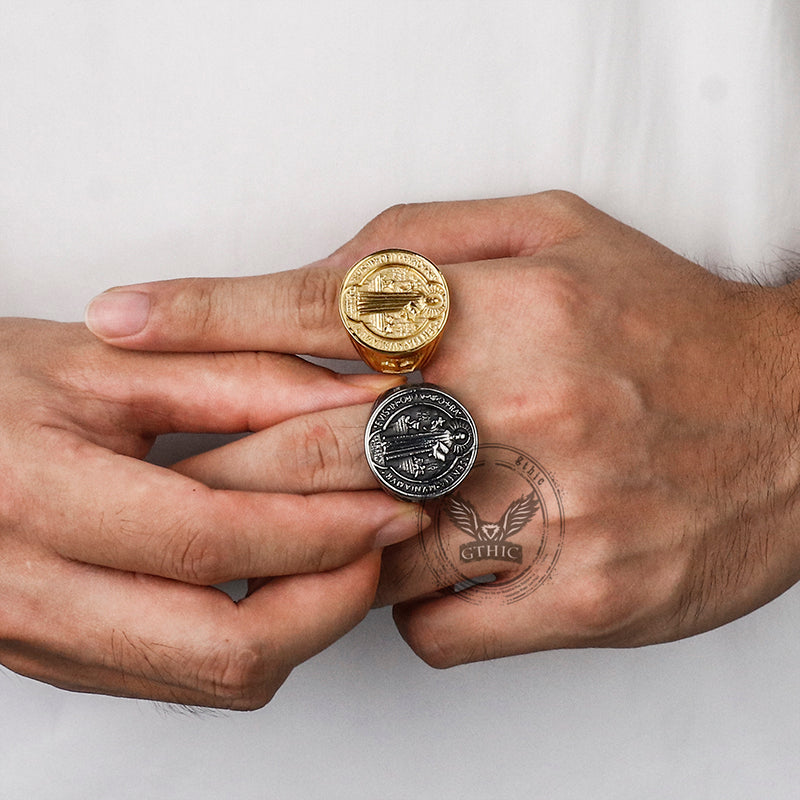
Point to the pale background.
(142, 140)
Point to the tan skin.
(109, 562)
(662, 398)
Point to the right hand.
(108, 563)
(662, 398)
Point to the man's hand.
(658, 401)
(108, 563)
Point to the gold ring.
(394, 304)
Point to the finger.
(297, 311)
(471, 230)
(138, 636)
(228, 392)
(319, 452)
(582, 606)
(137, 517)
(310, 612)
(285, 312)
(413, 568)
(448, 630)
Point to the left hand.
(108, 563)
(645, 408)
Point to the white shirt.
(143, 140)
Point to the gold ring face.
(394, 305)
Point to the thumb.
(297, 311)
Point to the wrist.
(772, 328)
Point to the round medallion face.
(420, 442)
(394, 302)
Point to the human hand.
(644, 413)
(108, 562)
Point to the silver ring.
(420, 442)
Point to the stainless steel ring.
(420, 442)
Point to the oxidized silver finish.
(420, 442)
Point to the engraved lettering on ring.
(420, 442)
(394, 305)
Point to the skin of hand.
(109, 562)
(660, 398)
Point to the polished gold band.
(395, 364)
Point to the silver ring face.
(420, 442)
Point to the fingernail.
(374, 381)
(115, 314)
(409, 522)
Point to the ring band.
(394, 305)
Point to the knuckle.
(568, 407)
(236, 673)
(320, 453)
(564, 296)
(562, 306)
(240, 677)
(436, 647)
(197, 306)
(361, 602)
(600, 609)
(195, 557)
(314, 295)
(392, 219)
(204, 312)
(394, 223)
(561, 215)
(564, 204)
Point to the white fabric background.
(143, 140)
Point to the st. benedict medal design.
(420, 442)
(394, 304)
